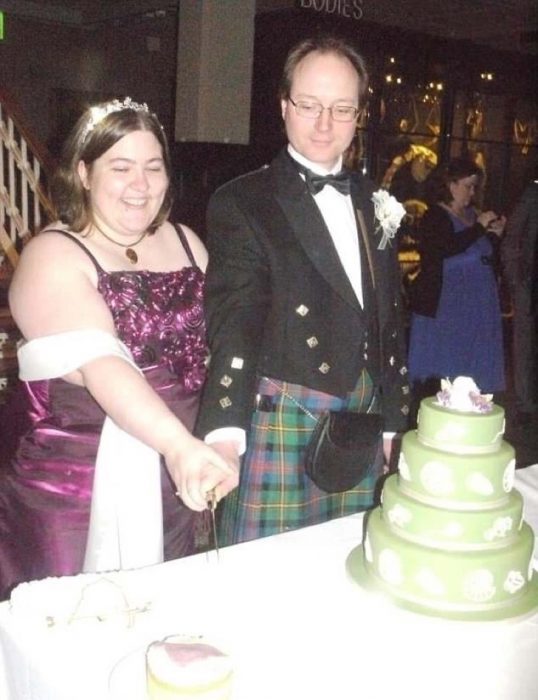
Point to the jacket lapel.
(308, 226)
(362, 199)
(364, 216)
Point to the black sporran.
(342, 449)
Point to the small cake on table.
(187, 667)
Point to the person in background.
(456, 326)
(303, 305)
(518, 255)
(109, 301)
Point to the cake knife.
(212, 505)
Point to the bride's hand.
(229, 451)
(196, 469)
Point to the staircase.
(24, 207)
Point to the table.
(297, 627)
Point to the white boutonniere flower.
(388, 215)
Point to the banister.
(23, 200)
(38, 149)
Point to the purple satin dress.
(49, 430)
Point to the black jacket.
(279, 303)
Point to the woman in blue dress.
(456, 326)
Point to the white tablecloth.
(297, 627)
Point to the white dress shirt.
(339, 216)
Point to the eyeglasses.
(313, 110)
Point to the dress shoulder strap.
(184, 241)
(79, 243)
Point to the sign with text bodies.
(351, 9)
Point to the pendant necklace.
(131, 254)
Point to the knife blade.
(212, 505)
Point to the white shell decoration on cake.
(437, 478)
(399, 515)
(430, 583)
(390, 567)
(514, 581)
(403, 468)
(478, 483)
(453, 530)
(479, 586)
(509, 476)
(500, 528)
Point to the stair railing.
(24, 205)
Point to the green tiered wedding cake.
(449, 538)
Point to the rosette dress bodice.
(159, 316)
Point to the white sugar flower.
(514, 582)
(500, 528)
(388, 213)
(390, 568)
(437, 478)
(463, 395)
(403, 468)
(453, 530)
(399, 515)
(509, 476)
(430, 582)
(479, 586)
(480, 484)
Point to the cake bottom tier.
(488, 584)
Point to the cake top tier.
(461, 432)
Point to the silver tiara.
(97, 114)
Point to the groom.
(303, 306)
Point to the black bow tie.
(315, 183)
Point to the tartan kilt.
(274, 492)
